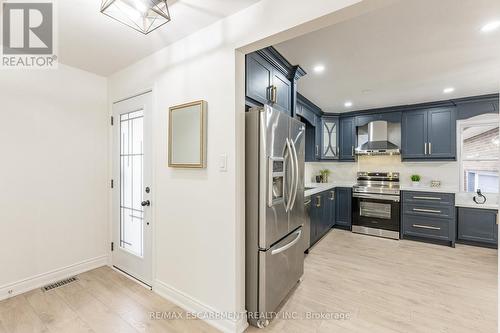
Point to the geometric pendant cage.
(141, 15)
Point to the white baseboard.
(190, 304)
(37, 281)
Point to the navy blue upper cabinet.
(282, 97)
(311, 116)
(258, 78)
(329, 138)
(414, 134)
(347, 138)
(265, 84)
(442, 133)
(429, 134)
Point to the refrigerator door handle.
(289, 245)
(286, 200)
(296, 170)
(292, 164)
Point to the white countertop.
(465, 200)
(320, 187)
(475, 205)
(441, 189)
(462, 199)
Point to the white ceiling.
(402, 54)
(94, 42)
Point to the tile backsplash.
(446, 172)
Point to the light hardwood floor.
(383, 285)
(102, 301)
(390, 286)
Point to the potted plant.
(324, 175)
(415, 180)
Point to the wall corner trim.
(188, 303)
(40, 280)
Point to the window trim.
(481, 120)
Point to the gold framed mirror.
(187, 135)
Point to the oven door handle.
(394, 198)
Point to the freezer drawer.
(281, 267)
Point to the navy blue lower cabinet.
(429, 216)
(322, 214)
(330, 208)
(317, 216)
(477, 226)
(343, 207)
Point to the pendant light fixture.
(141, 15)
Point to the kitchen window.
(479, 151)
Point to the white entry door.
(132, 225)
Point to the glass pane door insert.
(131, 182)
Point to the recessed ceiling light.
(448, 90)
(490, 26)
(348, 104)
(319, 68)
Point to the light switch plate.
(223, 163)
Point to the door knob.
(146, 203)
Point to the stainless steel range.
(376, 204)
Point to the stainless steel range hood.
(378, 144)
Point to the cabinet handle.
(426, 210)
(317, 150)
(332, 195)
(427, 198)
(426, 227)
(273, 94)
(318, 201)
(352, 150)
(425, 148)
(430, 148)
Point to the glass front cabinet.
(329, 138)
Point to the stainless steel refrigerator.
(275, 215)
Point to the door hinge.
(112, 183)
(112, 246)
(112, 120)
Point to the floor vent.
(59, 283)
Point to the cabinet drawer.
(426, 227)
(426, 211)
(429, 198)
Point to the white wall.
(53, 175)
(199, 215)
